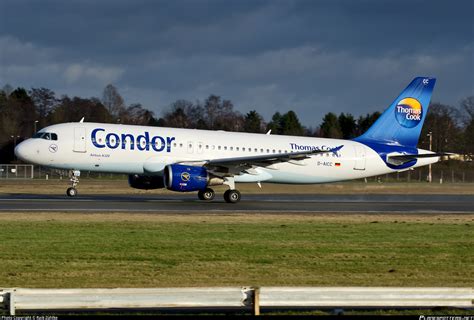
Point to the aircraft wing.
(238, 164)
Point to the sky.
(311, 56)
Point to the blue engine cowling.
(185, 178)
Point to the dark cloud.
(312, 56)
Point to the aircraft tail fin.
(401, 123)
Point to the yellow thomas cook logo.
(185, 176)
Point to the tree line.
(24, 111)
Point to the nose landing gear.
(72, 191)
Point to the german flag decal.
(337, 164)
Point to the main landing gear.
(207, 194)
(72, 191)
(230, 196)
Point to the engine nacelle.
(185, 178)
(145, 182)
(182, 178)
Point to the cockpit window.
(45, 135)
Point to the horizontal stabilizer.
(404, 158)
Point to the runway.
(251, 203)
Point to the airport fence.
(441, 173)
(28, 171)
(16, 171)
(245, 298)
(438, 175)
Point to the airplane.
(187, 160)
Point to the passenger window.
(180, 145)
(261, 150)
(225, 147)
(231, 148)
(236, 148)
(268, 150)
(256, 150)
(219, 147)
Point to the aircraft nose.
(21, 151)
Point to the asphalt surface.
(251, 203)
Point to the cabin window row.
(243, 149)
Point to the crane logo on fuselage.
(142, 142)
(53, 148)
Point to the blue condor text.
(143, 142)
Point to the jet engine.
(189, 178)
(145, 182)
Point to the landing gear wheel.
(232, 196)
(74, 179)
(71, 192)
(206, 194)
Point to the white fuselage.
(147, 150)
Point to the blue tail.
(401, 123)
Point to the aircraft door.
(360, 159)
(79, 140)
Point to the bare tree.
(45, 101)
(113, 101)
(7, 89)
(468, 106)
(211, 107)
(136, 114)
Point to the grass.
(91, 186)
(373, 312)
(70, 250)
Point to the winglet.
(336, 149)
